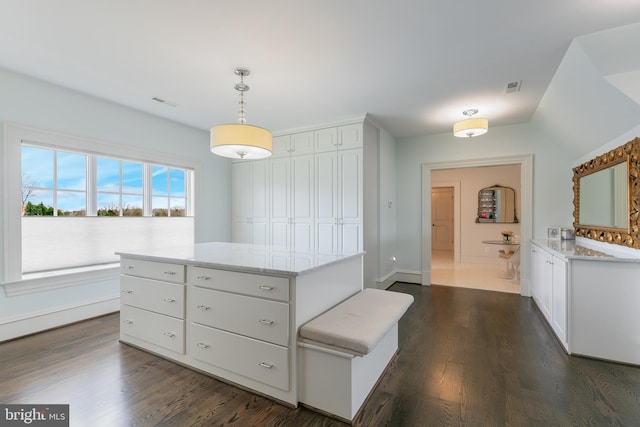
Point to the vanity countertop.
(242, 257)
(586, 250)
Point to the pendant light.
(470, 127)
(240, 140)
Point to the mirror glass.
(604, 198)
(497, 205)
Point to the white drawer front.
(158, 329)
(241, 283)
(153, 270)
(253, 359)
(254, 317)
(161, 297)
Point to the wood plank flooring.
(467, 358)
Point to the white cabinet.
(291, 218)
(250, 205)
(293, 144)
(549, 289)
(152, 305)
(339, 201)
(314, 193)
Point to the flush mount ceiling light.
(470, 127)
(240, 140)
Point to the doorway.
(525, 163)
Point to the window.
(81, 201)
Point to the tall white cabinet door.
(350, 209)
(326, 202)
(241, 202)
(302, 203)
(280, 201)
(260, 201)
(250, 202)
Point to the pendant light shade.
(470, 127)
(240, 140)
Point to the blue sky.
(38, 171)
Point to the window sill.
(40, 282)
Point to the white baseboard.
(41, 321)
(399, 276)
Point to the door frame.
(456, 214)
(526, 219)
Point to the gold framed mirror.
(606, 196)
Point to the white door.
(280, 201)
(260, 202)
(442, 218)
(326, 202)
(302, 202)
(350, 208)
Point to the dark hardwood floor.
(467, 358)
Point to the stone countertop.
(242, 257)
(584, 249)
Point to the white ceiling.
(414, 65)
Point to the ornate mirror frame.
(629, 153)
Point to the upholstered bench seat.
(358, 323)
(344, 351)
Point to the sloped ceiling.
(594, 95)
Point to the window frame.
(13, 137)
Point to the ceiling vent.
(164, 101)
(513, 87)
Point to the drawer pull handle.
(169, 300)
(204, 307)
(266, 288)
(128, 291)
(169, 334)
(170, 273)
(128, 322)
(203, 277)
(266, 321)
(203, 345)
(265, 365)
(128, 267)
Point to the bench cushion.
(358, 323)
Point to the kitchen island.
(231, 310)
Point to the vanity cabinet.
(549, 289)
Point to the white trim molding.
(48, 319)
(526, 206)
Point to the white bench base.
(336, 382)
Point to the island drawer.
(153, 270)
(158, 329)
(254, 317)
(161, 297)
(241, 283)
(258, 360)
